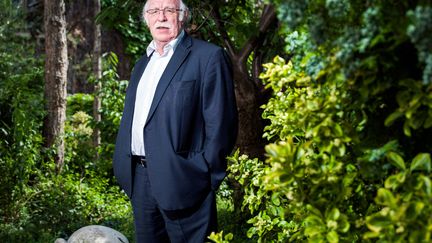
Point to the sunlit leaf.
(422, 162)
(332, 237)
(377, 222)
(396, 160)
(385, 197)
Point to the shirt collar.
(172, 44)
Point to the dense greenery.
(37, 204)
(124, 17)
(350, 126)
(349, 130)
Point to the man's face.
(164, 26)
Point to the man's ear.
(183, 16)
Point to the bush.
(21, 91)
(36, 203)
(57, 205)
(350, 126)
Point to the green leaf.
(407, 129)
(313, 220)
(414, 209)
(422, 162)
(272, 150)
(275, 199)
(312, 231)
(427, 185)
(394, 181)
(334, 214)
(229, 237)
(344, 224)
(386, 198)
(313, 210)
(332, 237)
(369, 235)
(396, 160)
(392, 117)
(377, 222)
(251, 231)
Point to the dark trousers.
(152, 224)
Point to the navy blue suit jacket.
(190, 129)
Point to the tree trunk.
(248, 89)
(97, 72)
(56, 63)
(249, 138)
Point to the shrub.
(36, 203)
(21, 91)
(350, 126)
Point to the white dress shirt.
(146, 90)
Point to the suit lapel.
(174, 64)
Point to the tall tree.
(247, 59)
(56, 64)
(97, 72)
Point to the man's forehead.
(163, 2)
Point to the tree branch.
(196, 29)
(214, 12)
(268, 17)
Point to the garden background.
(335, 117)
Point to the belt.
(141, 160)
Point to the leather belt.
(141, 160)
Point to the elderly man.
(179, 123)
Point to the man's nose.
(162, 15)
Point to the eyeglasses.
(166, 11)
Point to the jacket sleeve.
(220, 115)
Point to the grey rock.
(95, 234)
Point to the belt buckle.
(142, 162)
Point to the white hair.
(183, 7)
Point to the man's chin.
(164, 38)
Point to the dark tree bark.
(97, 72)
(249, 90)
(250, 94)
(56, 63)
(81, 40)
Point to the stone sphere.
(97, 234)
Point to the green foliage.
(125, 16)
(268, 217)
(220, 237)
(57, 205)
(240, 18)
(419, 31)
(112, 96)
(78, 136)
(80, 152)
(404, 202)
(36, 203)
(350, 122)
(350, 127)
(80, 123)
(79, 102)
(21, 109)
